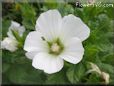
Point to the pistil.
(55, 48)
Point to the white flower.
(94, 68)
(56, 39)
(15, 27)
(10, 43)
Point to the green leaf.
(28, 15)
(76, 73)
(18, 57)
(110, 12)
(57, 78)
(5, 26)
(79, 12)
(25, 74)
(107, 68)
(51, 4)
(29, 24)
(5, 67)
(109, 59)
(65, 9)
(93, 78)
(91, 52)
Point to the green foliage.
(57, 78)
(94, 78)
(5, 26)
(28, 15)
(19, 70)
(19, 74)
(76, 73)
(99, 47)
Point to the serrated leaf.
(28, 16)
(107, 68)
(76, 73)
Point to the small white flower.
(10, 43)
(15, 27)
(94, 68)
(56, 39)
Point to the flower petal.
(106, 77)
(47, 62)
(31, 54)
(74, 51)
(49, 24)
(34, 42)
(95, 68)
(21, 30)
(73, 26)
(9, 44)
(14, 24)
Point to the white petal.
(31, 54)
(49, 24)
(106, 77)
(48, 63)
(9, 44)
(74, 51)
(14, 24)
(21, 30)
(95, 67)
(74, 26)
(34, 42)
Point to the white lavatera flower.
(56, 39)
(10, 43)
(94, 68)
(15, 27)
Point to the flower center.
(55, 47)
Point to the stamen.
(55, 48)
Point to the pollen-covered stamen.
(55, 48)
